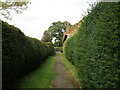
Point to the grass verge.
(42, 77)
(72, 69)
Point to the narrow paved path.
(63, 78)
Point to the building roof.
(70, 30)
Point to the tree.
(9, 6)
(56, 30)
(47, 37)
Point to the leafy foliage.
(21, 54)
(56, 30)
(94, 50)
(7, 6)
(47, 37)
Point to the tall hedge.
(94, 50)
(21, 54)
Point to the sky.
(42, 13)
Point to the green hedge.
(58, 49)
(21, 54)
(94, 50)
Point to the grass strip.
(72, 69)
(42, 77)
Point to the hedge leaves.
(21, 54)
(95, 49)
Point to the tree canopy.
(46, 37)
(9, 6)
(56, 30)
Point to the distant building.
(70, 31)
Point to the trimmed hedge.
(94, 50)
(21, 54)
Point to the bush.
(21, 54)
(94, 49)
(61, 49)
(57, 49)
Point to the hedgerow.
(94, 50)
(20, 54)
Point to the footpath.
(63, 78)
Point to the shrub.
(21, 54)
(94, 49)
(57, 49)
(61, 49)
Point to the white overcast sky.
(41, 13)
